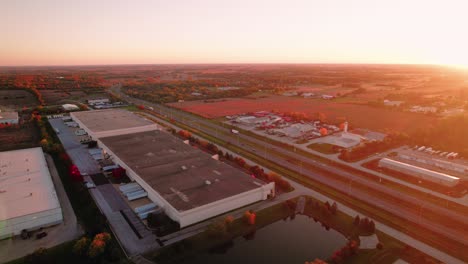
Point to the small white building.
(295, 130)
(98, 101)
(423, 109)
(327, 96)
(28, 200)
(70, 107)
(392, 103)
(9, 118)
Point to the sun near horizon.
(158, 32)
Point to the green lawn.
(324, 148)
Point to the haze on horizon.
(54, 32)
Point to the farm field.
(26, 136)
(55, 97)
(363, 116)
(16, 99)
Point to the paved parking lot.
(78, 152)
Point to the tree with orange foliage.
(185, 134)
(98, 246)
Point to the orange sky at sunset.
(211, 31)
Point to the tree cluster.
(92, 249)
(364, 224)
(340, 256)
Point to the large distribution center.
(111, 122)
(28, 199)
(429, 175)
(188, 183)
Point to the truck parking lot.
(130, 231)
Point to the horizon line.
(227, 63)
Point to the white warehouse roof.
(432, 175)
(70, 107)
(111, 122)
(26, 188)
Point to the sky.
(87, 32)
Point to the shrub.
(379, 246)
(80, 246)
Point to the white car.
(89, 185)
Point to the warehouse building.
(70, 107)
(422, 173)
(28, 200)
(98, 101)
(111, 122)
(9, 118)
(187, 183)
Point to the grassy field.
(358, 115)
(17, 99)
(323, 148)
(25, 136)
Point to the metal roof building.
(27, 194)
(429, 175)
(111, 122)
(188, 183)
(70, 107)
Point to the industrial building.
(70, 107)
(440, 161)
(27, 194)
(98, 101)
(187, 183)
(111, 122)
(9, 118)
(422, 173)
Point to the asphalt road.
(413, 210)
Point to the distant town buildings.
(327, 96)
(308, 95)
(98, 101)
(393, 103)
(423, 109)
(292, 93)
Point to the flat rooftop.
(26, 186)
(110, 119)
(177, 171)
(8, 115)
